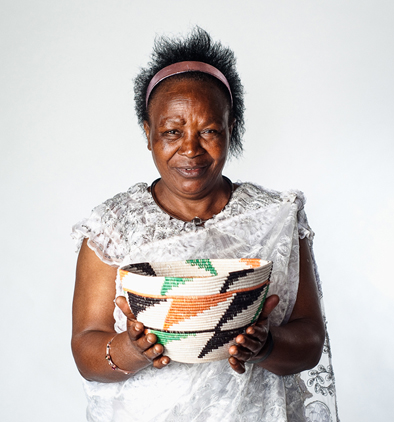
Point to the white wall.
(319, 82)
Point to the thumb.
(269, 305)
(121, 301)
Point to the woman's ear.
(147, 132)
(231, 125)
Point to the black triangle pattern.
(240, 302)
(233, 277)
(141, 268)
(139, 304)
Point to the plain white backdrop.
(319, 88)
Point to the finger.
(269, 305)
(240, 353)
(253, 345)
(145, 342)
(235, 364)
(154, 352)
(258, 331)
(135, 329)
(233, 350)
(161, 362)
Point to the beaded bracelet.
(109, 359)
(270, 342)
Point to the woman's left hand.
(251, 345)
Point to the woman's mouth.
(191, 171)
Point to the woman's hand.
(252, 345)
(143, 349)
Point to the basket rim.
(264, 266)
(194, 296)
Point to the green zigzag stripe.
(171, 282)
(204, 264)
(257, 314)
(164, 337)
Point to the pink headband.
(183, 67)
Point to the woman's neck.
(187, 208)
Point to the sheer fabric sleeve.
(304, 230)
(102, 231)
(321, 403)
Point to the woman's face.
(188, 133)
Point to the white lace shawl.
(255, 223)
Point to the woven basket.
(197, 307)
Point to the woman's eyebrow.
(172, 119)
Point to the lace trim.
(131, 219)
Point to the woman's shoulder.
(255, 196)
(107, 222)
(265, 196)
(134, 197)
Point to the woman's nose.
(191, 145)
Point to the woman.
(190, 105)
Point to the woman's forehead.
(188, 96)
(196, 84)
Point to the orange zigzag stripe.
(186, 307)
(253, 262)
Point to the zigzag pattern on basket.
(197, 316)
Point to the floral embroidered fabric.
(256, 223)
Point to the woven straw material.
(197, 307)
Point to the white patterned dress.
(256, 223)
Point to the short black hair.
(197, 46)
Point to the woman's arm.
(93, 326)
(298, 344)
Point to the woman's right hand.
(142, 349)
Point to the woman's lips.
(191, 171)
